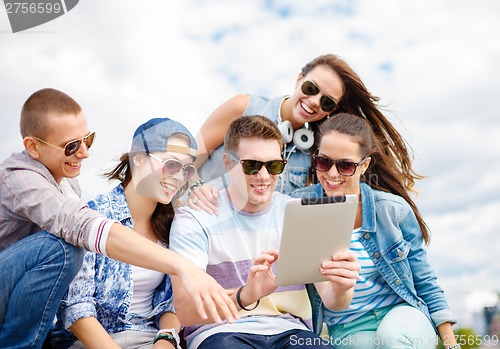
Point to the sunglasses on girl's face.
(326, 103)
(174, 166)
(72, 146)
(252, 167)
(344, 167)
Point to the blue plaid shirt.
(103, 287)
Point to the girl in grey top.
(325, 86)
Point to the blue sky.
(433, 63)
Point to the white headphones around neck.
(303, 138)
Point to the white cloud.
(433, 63)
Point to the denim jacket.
(394, 241)
(103, 286)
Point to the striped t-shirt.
(225, 246)
(370, 292)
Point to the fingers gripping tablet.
(313, 230)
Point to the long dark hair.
(163, 215)
(383, 172)
(357, 100)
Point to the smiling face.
(307, 108)
(149, 177)
(338, 146)
(253, 193)
(61, 130)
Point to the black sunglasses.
(346, 168)
(252, 167)
(326, 103)
(174, 166)
(72, 146)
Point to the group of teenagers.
(187, 241)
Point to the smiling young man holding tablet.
(239, 247)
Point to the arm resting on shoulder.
(211, 134)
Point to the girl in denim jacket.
(397, 301)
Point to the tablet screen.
(313, 230)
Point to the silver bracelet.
(195, 185)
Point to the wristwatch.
(170, 335)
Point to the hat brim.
(182, 150)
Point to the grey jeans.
(128, 340)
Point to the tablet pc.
(313, 230)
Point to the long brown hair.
(383, 172)
(357, 100)
(163, 215)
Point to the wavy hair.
(383, 172)
(357, 100)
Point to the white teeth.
(306, 108)
(168, 186)
(74, 164)
(260, 187)
(333, 183)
